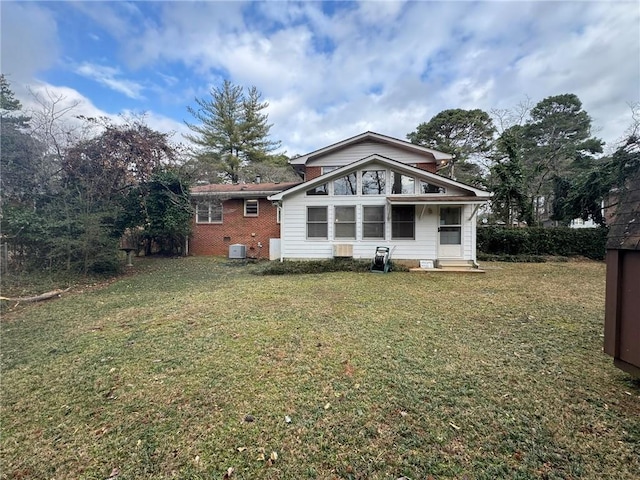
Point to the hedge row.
(561, 241)
(321, 266)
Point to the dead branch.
(37, 298)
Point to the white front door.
(450, 233)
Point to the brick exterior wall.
(312, 172)
(429, 167)
(215, 238)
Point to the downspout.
(475, 237)
(281, 207)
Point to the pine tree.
(232, 131)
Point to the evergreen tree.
(232, 131)
(465, 134)
(557, 146)
(20, 152)
(507, 181)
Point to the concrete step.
(446, 270)
(455, 263)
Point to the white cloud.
(64, 99)
(107, 76)
(333, 70)
(28, 40)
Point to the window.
(373, 182)
(345, 185)
(328, 169)
(402, 184)
(345, 222)
(319, 190)
(430, 188)
(403, 221)
(209, 212)
(251, 208)
(373, 221)
(450, 225)
(316, 222)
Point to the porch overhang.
(425, 201)
(435, 200)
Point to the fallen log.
(37, 298)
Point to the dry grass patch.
(499, 375)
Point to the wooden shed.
(622, 309)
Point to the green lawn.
(434, 376)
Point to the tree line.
(72, 187)
(541, 161)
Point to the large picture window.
(345, 222)
(316, 222)
(345, 185)
(373, 221)
(373, 182)
(402, 184)
(403, 218)
(209, 212)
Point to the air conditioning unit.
(344, 250)
(237, 251)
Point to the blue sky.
(329, 70)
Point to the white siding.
(468, 233)
(295, 244)
(358, 151)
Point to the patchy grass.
(488, 376)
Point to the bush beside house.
(566, 242)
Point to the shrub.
(561, 241)
(320, 266)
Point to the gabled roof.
(398, 166)
(254, 190)
(373, 136)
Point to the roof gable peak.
(373, 136)
(388, 163)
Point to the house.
(373, 190)
(237, 214)
(622, 305)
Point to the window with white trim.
(402, 184)
(373, 182)
(209, 212)
(426, 187)
(346, 185)
(251, 208)
(373, 221)
(317, 222)
(328, 169)
(403, 221)
(319, 190)
(345, 222)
